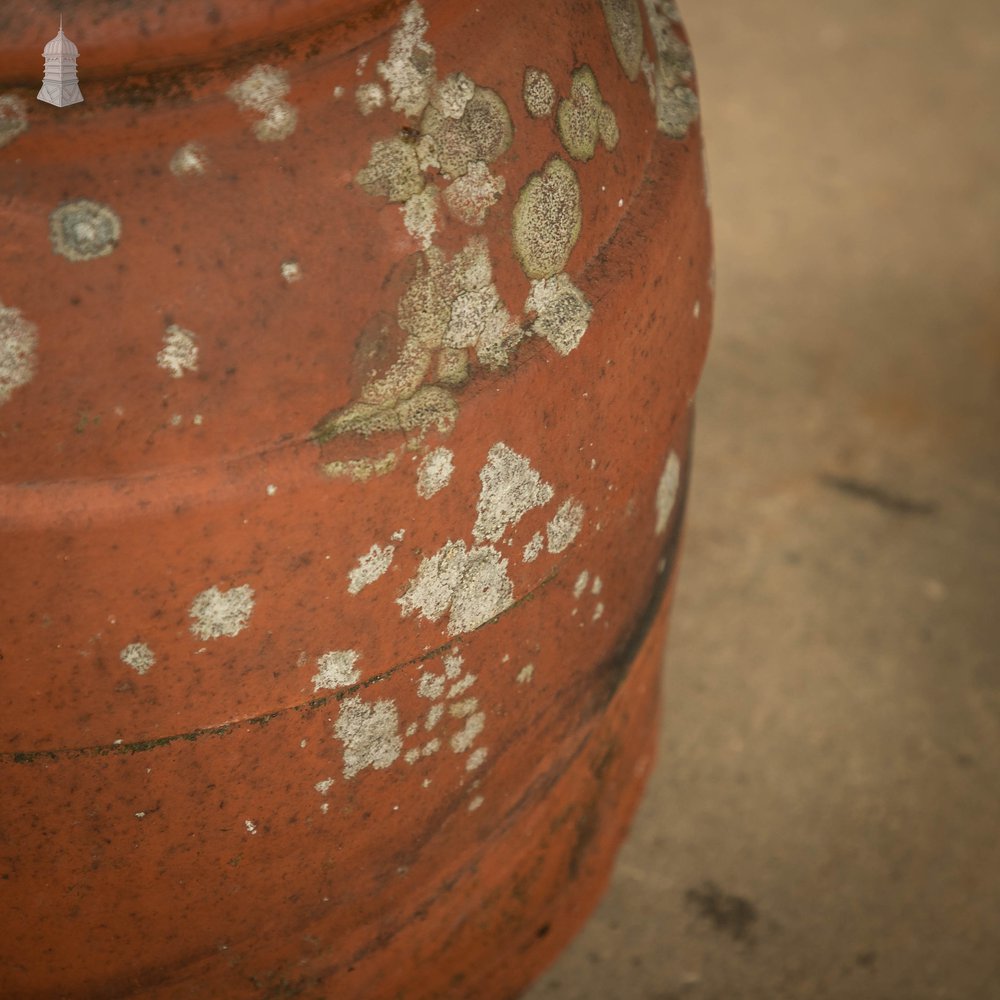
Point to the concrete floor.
(825, 816)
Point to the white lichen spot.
(251, 826)
(453, 664)
(460, 687)
(433, 716)
(539, 93)
(565, 526)
(291, 271)
(362, 63)
(472, 583)
(324, 786)
(562, 312)
(324, 808)
(470, 197)
(18, 344)
(420, 213)
(370, 734)
(598, 611)
(336, 670)
(434, 472)
(696, 311)
(84, 230)
(179, 352)
(271, 489)
(467, 735)
(475, 803)
(138, 656)
(338, 92)
(534, 547)
(431, 686)
(412, 756)
(13, 118)
(476, 759)
(581, 584)
(597, 587)
(411, 729)
(409, 69)
(666, 491)
(525, 674)
(373, 564)
(219, 613)
(431, 747)
(263, 90)
(191, 158)
(463, 709)
(369, 97)
(510, 488)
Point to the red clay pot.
(347, 353)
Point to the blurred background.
(824, 820)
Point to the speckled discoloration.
(179, 353)
(18, 345)
(565, 526)
(562, 312)
(625, 25)
(219, 613)
(676, 103)
(191, 158)
(547, 219)
(263, 90)
(372, 565)
(84, 230)
(434, 472)
(409, 69)
(336, 669)
(538, 92)
(138, 656)
(370, 734)
(510, 488)
(584, 117)
(666, 491)
(13, 118)
(470, 197)
(392, 171)
(481, 134)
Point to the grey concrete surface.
(824, 820)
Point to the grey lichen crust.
(625, 25)
(547, 219)
(675, 102)
(18, 342)
(84, 230)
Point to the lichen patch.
(482, 133)
(191, 158)
(219, 613)
(565, 526)
(409, 69)
(625, 26)
(583, 117)
(452, 95)
(666, 491)
(420, 213)
(370, 734)
(369, 97)
(510, 488)
(392, 171)
(263, 90)
(534, 547)
(538, 92)
(563, 313)
(138, 656)
(18, 346)
(372, 565)
(84, 230)
(547, 219)
(434, 472)
(470, 197)
(336, 669)
(13, 118)
(179, 353)
(676, 103)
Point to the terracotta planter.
(347, 353)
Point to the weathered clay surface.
(344, 420)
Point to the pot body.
(347, 354)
